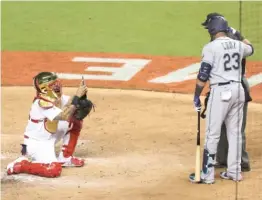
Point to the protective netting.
(251, 25)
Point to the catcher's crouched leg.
(22, 165)
(69, 143)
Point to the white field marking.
(255, 80)
(190, 73)
(179, 75)
(64, 181)
(131, 162)
(130, 67)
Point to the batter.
(222, 149)
(221, 66)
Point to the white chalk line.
(139, 163)
(128, 162)
(63, 181)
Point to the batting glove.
(236, 33)
(231, 29)
(197, 103)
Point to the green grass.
(156, 28)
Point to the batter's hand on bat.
(236, 34)
(197, 103)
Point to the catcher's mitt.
(84, 108)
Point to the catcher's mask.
(48, 86)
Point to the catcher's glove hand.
(84, 108)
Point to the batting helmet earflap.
(217, 24)
(211, 16)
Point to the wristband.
(75, 101)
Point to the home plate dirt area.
(137, 144)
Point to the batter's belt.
(247, 94)
(225, 83)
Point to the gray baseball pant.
(222, 149)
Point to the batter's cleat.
(74, 162)
(202, 181)
(15, 167)
(225, 176)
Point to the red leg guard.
(77, 125)
(46, 170)
(69, 149)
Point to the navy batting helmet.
(209, 17)
(217, 24)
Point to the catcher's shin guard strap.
(46, 170)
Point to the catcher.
(222, 150)
(53, 116)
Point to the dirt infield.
(138, 144)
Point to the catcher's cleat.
(15, 167)
(73, 162)
(225, 176)
(202, 181)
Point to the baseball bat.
(197, 166)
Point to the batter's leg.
(234, 123)
(222, 149)
(216, 111)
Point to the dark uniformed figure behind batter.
(222, 150)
